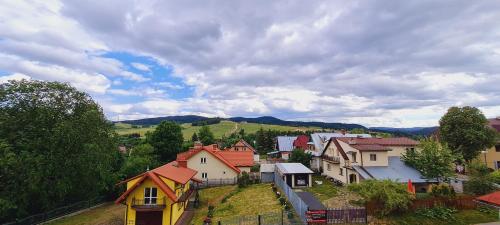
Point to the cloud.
(140, 66)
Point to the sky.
(375, 63)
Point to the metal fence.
(269, 218)
(346, 215)
(217, 182)
(58, 212)
(298, 204)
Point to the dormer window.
(150, 195)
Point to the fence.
(298, 204)
(58, 212)
(269, 218)
(254, 178)
(346, 215)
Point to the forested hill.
(262, 120)
(414, 131)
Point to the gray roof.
(288, 168)
(320, 139)
(266, 168)
(396, 171)
(285, 143)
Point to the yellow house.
(159, 196)
(491, 157)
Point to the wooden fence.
(461, 202)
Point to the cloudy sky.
(377, 63)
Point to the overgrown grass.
(109, 213)
(209, 196)
(462, 217)
(252, 200)
(322, 191)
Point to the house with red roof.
(491, 156)
(352, 160)
(158, 196)
(214, 163)
(301, 142)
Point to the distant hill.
(413, 131)
(261, 120)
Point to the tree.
(260, 145)
(480, 180)
(57, 148)
(434, 160)
(194, 137)
(141, 158)
(358, 131)
(206, 136)
(390, 195)
(167, 140)
(466, 132)
(299, 156)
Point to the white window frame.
(204, 175)
(148, 199)
(203, 160)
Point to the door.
(352, 178)
(149, 218)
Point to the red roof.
(400, 141)
(170, 171)
(238, 158)
(301, 142)
(495, 123)
(213, 150)
(492, 199)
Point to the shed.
(295, 174)
(267, 173)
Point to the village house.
(283, 147)
(491, 156)
(318, 143)
(159, 196)
(213, 163)
(242, 145)
(351, 160)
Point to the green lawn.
(108, 213)
(322, 191)
(223, 128)
(211, 196)
(253, 200)
(463, 217)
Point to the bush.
(439, 213)
(244, 180)
(443, 190)
(479, 182)
(390, 195)
(495, 176)
(255, 168)
(282, 200)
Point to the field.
(223, 128)
(107, 214)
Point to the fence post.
(258, 217)
(282, 217)
(218, 223)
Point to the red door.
(149, 218)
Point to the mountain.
(416, 131)
(263, 120)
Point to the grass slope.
(209, 196)
(223, 128)
(108, 213)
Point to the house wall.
(399, 150)
(214, 168)
(244, 168)
(492, 156)
(382, 158)
(334, 171)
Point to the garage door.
(267, 177)
(149, 218)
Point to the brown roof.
(337, 145)
(242, 143)
(399, 141)
(370, 147)
(495, 123)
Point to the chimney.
(214, 147)
(198, 145)
(182, 163)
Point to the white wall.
(214, 168)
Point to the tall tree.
(260, 139)
(299, 156)
(466, 131)
(141, 158)
(206, 136)
(167, 140)
(433, 160)
(63, 146)
(194, 137)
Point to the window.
(354, 156)
(497, 165)
(341, 172)
(203, 160)
(204, 175)
(373, 157)
(497, 148)
(150, 196)
(328, 166)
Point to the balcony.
(333, 159)
(142, 205)
(186, 195)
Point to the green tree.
(194, 137)
(390, 195)
(480, 180)
(299, 156)
(206, 136)
(358, 131)
(64, 148)
(166, 140)
(260, 140)
(433, 160)
(141, 158)
(466, 132)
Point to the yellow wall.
(138, 193)
(491, 157)
(214, 168)
(382, 158)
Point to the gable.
(212, 160)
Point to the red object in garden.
(410, 187)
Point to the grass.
(109, 213)
(322, 191)
(209, 196)
(252, 200)
(225, 127)
(462, 217)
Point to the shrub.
(495, 176)
(439, 212)
(255, 168)
(244, 180)
(282, 200)
(390, 195)
(479, 182)
(443, 190)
